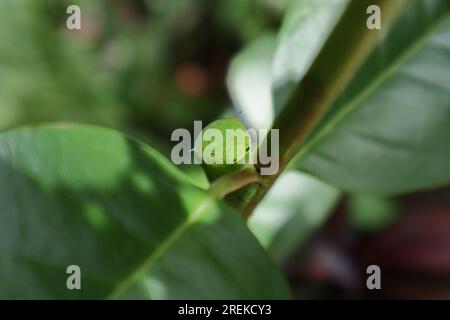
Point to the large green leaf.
(389, 132)
(135, 225)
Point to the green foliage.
(135, 225)
(249, 82)
(388, 132)
(305, 29)
(46, 76)
(293, 209)
(140, 228)
(146, 67)
(370, 213)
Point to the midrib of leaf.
(217, 191)
(142, 269)
(376, 83)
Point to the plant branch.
(233, 182)
(337, 63)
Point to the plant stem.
(337, 63)
(233, 182)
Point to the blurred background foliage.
(147, 67)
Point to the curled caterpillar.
(223, 146)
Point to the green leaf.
(249, 82)
(333, 63)
(48, 75)
(276, 64)
(388, 133)
(135, 225)
(305, 29)
(293, 209)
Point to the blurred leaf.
(134, 224)
(364, 142)
(141, 66)
(305, 29)
(370, 213)
(276, 64)
(196, 174)
(47, 74)
(293, 209)
(249, 81)
(389, 131)
(248, 19)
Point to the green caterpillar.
(228, 155)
